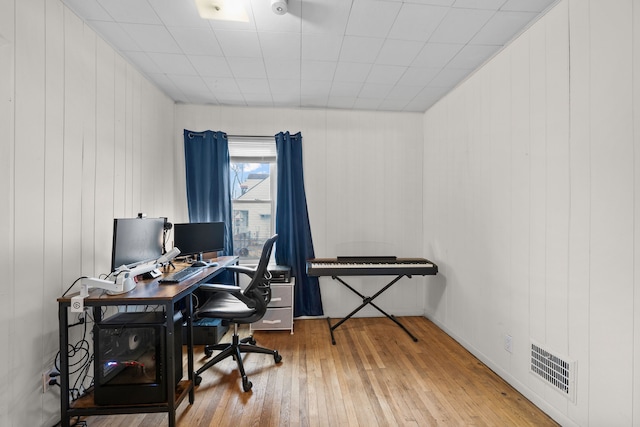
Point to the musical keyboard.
(370, 266)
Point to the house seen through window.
(253, 194)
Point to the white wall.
(363, 179)
(532, 208)
(84, 139)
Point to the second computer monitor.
(196, 238)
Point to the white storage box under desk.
(279, 315)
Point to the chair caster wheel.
(252, 341)
(208, 352)
(197, 380)
(246, 384)
(277, 357)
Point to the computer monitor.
(136, 241)
(196, 238)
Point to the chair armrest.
(218, 287)
(249, 271)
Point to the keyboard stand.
(365, 301)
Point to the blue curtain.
(206, 156)
(294, 244)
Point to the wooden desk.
(147, 292)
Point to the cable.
(75, 281)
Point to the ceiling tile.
(210, 66)
(360, 49)
(172, 63)
(130, 11)
(472, 56)
(316, 88)
(351, 72)
(417, 22)
(375, 90)
(152, 38)
(143, 62)
(222, 86)
(372, 18)
(239, 43)
(436, 55)
(460, 25)
(318, 70)
(254, 86)
(528, 5)
(418, 76)
(502, 27)
(280, 45)
(278, 68)
(479, 4)
(404, 92)
(324, 16)
(178, 13)
(345, 89)
(449, 77)
(399, 52)
(385, 74)
(196, 41)
(247, 68)
(113, 32)
(317, 47)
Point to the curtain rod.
(191, 134)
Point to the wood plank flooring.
(375, 376)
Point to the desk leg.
(190, 364)
(171, 372)
(63, 318)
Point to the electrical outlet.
(508, 343)
(46, 377)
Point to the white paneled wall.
(84, 139)
(534, 164)
(363, 177)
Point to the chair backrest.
(259, 288)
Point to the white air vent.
(555, 370)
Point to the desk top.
(150, 291)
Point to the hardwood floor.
(375, 376)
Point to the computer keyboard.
(181, 275)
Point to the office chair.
(233, 305)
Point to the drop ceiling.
(386, 55)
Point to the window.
(253, 194)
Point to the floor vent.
(555, 370)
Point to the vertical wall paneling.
(72, 161)
(7, 213)
(636, 187)
(29, 201)
(88, 103)
(612, 210)
(520, 172)
(580, 205)
(64, 104)
(53, 190)
(573, 167)
(104, 164)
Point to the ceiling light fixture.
(279, 7)
(222, 10)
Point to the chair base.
(235, 350)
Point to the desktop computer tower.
(130, 358)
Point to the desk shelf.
(86, 405)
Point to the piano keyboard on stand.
(370, 266)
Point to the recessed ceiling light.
(222, 10)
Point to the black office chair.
(233, 305)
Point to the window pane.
(252, 193)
